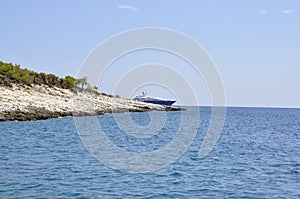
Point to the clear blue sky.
(255, 44)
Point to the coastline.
(38, 102)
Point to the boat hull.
(161, 102)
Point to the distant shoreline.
(38, 102)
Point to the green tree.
(95, 88)
(82, 83)
(14, 74)
(68, 82)
(44, 77)
(38, 79)
(52, 79)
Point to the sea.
(257, 155)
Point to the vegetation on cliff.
(27, 95)
(13, 74)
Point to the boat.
(145, 98)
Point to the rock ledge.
(42, 102)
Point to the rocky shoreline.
(42, 102)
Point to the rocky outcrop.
(42, 102)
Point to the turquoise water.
(257, 156)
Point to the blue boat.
(145, 98)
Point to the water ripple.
(257, 156)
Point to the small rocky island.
(27, 95)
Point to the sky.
(254, 44)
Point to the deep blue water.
(257, 156)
